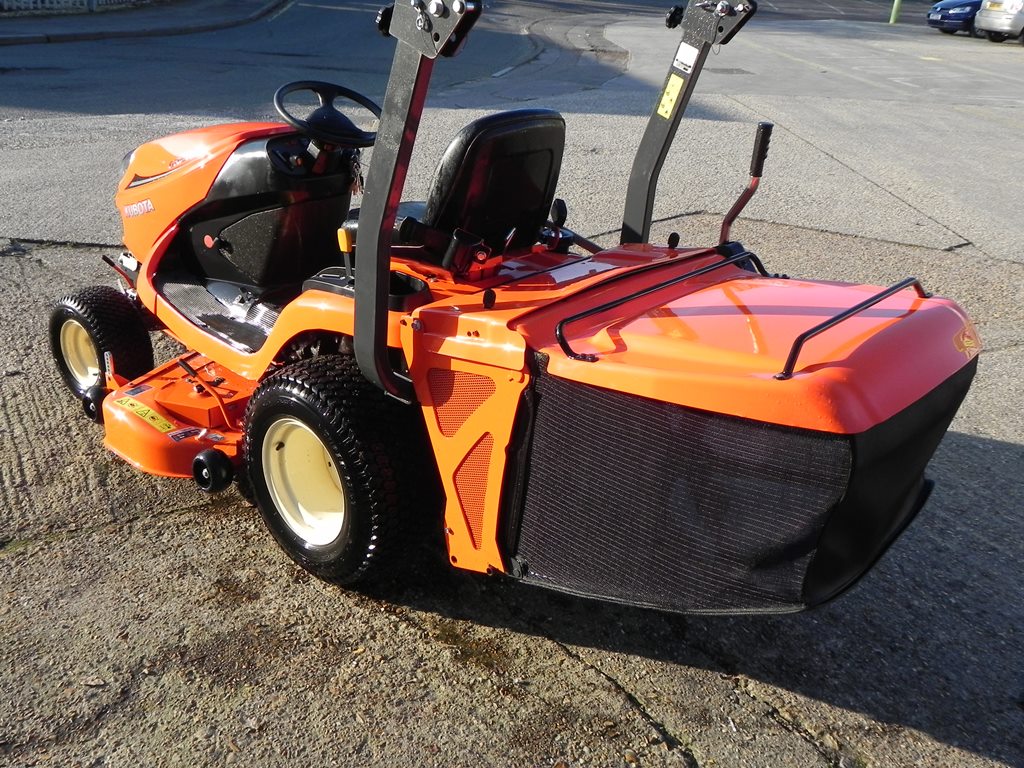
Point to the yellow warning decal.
(967, 341)
(668, 98)
(146, 413)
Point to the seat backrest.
(499, 174)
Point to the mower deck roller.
(657, 425)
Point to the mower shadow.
(929, 640)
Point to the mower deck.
(160, 421)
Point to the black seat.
(494, 184)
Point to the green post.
(895, 11)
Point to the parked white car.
(1001, 19)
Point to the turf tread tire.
(362, 428)
(114, 324)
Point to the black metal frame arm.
(703, 24)
(424, 31)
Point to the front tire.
(995, 37)
(321, 470)
(87, 326)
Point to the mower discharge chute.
(652, 424)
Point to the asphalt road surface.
(143, 623)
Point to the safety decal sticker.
(671, 94)
(145, 413)
(686, 55)
(183, 434)
(966, 341)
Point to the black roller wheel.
(92, 403)
(87, 326)
(212, 470)
(995, 37)
(321, 455)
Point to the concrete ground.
(144, 623)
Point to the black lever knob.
(675, 16)
(384, 20)
(761, 142)
(559, 212)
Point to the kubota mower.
(652, 424)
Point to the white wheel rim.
(80, 354)
(303, 481)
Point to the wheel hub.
(80, 353)
(303, 481)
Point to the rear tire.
(87, 326)
(995, 37)
(321, 462)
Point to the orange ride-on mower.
(657, 425)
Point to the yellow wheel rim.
(80, 354)
(303, 481)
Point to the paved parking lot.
(144, 623)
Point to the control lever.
(559, 212)
(761, 142)
(557, 237)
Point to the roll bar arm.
(703, 24)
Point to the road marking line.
(837, 10)
(281, 10)
(502, 72)
(325, 7)
(819, 65)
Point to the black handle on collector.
(761, 142)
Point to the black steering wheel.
(326, 123)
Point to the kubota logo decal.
(139, 208)
(967, 341)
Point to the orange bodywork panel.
(469, 372)
(160, 421)
(310, 311)
(716, 342)
(170, 175)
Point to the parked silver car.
(1001, 19)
